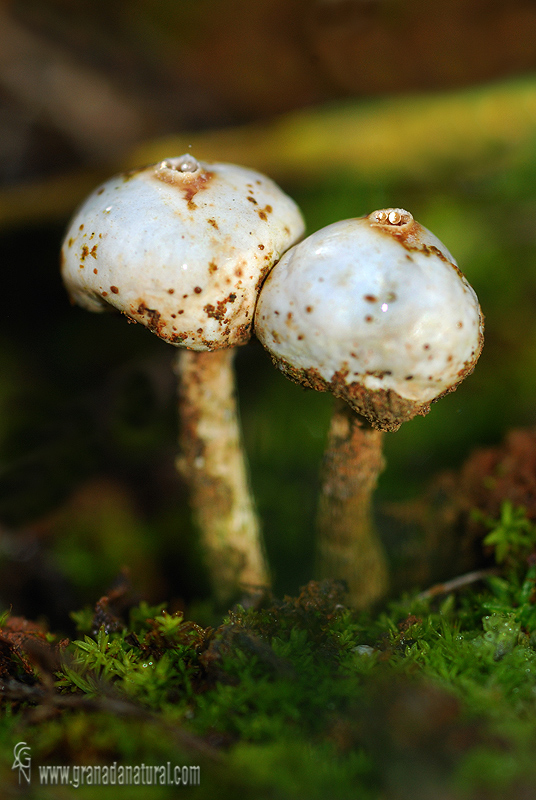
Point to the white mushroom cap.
(182, 247)
(375, 310)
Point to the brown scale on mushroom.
(218, 312)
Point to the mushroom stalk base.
(347, 544)
(212, 463)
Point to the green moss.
(300, 697)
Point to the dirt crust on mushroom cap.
(384, 409)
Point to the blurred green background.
(350, 107)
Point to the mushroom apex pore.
(180, 170)
(391, 217)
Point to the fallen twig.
(457, 583)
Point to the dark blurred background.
(350, 105)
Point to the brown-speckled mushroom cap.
(182, 247)
(376, 311)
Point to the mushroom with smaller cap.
(183, 247)
(376, 311)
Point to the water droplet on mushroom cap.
(187, 163)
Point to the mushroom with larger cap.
(376, 311)
(182, 247)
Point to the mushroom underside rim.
(384, 409)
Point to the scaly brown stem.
(347, 545)
(212, 462)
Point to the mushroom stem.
(213, 465)
(348, 546)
